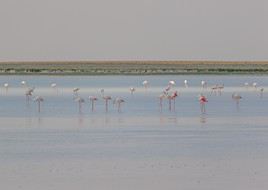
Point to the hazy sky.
(133, 29)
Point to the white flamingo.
(172, 82)
(6, 86)
(145, 84)
(254, 85)
(186, 83)
(132, 90)
(246, 84)
(203, 84)
(23, 83)
(54, 87)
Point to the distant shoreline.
(132, 67)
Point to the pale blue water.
(140, 130)
(142, 103)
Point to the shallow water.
(136, 138)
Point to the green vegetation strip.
(133, 68)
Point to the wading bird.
(203, 84)
(106, 99)
(202, 100)
(186, 83)
(161, 97)
(39, 99)
(75, 92)
(145, 84)
(54, 87)
(23, 83)
(92, 100)
(172, 97)
(118, 101)
(80, 101)
(29, 93)
(132, 90)
(6, 86)
(261, 92)
(236, 97)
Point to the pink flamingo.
(202, 100)
(39, 99)
(80, 102)
(171, 97)
(106, 99)
(92, 99)
(118, 102)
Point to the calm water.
(140, 129)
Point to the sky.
(59, 30)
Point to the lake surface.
(141, 146)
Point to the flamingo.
(145, 84)
(236, 97)
(214, 89)
(54, 86)
(202, 100)
(80, 102)
(261, 92)
(92, 100)
(38, 99)
(185, 83)
(172, 97)
(6, 86)
(118, 101)
(203, 84)
(106, 99)
(220, 88)
(172, 82)
(168, 88)
(23, 83)
(254, 85)
(29, 93)
(132, 90)
(75, 92)
(246, 84)
(161, 97)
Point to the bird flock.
(168, 93)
